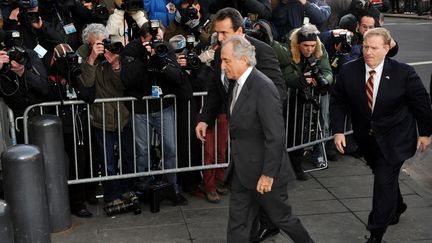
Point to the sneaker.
(320, 163)
(180, 200)
(213, 197)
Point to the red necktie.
(369, 88)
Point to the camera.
(132, 5)
(316, 73)
(361, 4)
(189, 13)
(345, 38)
(192, 59)
(10, 40)
(113, 47)
(28, 17)
(99, 12)
(129, 203)
(159, 46)
(69, 65)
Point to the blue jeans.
(113, 189)
(142, 136)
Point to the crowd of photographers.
(71, 49)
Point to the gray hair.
(384, 33)
(95, 29)
(242, 48)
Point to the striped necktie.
(369, 88)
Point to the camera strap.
(68, 28)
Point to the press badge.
(40, 51)
(156, 91)
(69, 28)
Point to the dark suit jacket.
(402, 102)
(257, 134)
(267, 63)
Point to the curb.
(408, 16)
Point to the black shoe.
(82, 212)
(180, 200)
(374, 239)
(399, 212)
(301, 176)
(264, 233)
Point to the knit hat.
(60, 50)
(349, 22)
(177, 42)
(308, 32)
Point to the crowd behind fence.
(303, 130)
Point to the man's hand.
(264, 184)
(311, 81)
(17, 68)
(181, 60)
(4, 58)
(424, 142)
(113, 59)
(38, 25)
(340, 142)
(97, 49)
(201, 130)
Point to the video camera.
(15, 52)
(129, 203)
(189, 13)
(159, 46)
(192, 59)
(345, 38)
(69, 65)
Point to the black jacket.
(138, 79)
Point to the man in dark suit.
(391, 116)
(229, 22)
(257, 172)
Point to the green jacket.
(107, 84)
(289, 56)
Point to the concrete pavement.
(333, 205)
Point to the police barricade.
(304, 133)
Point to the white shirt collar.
(378, 69)
(242, 79)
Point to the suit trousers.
(244, 206)
(386, 194)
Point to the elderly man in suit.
(257, 172)
(391, 116)
(229, 22)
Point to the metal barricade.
(298, 123)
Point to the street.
(414, 38)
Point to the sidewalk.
(408, 16)
(333, 205)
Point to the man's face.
(307, 48)
(224, 30)
(233, 68)
(374, 50)
(366, 23)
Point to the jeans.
(113, 189)
(164, 125)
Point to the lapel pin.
(387, 77)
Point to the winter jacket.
(157, 9)
(107, 84)
(294, 71)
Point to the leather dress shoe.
(399, 212)
(82, 213)
(264, 233)
(374, 239)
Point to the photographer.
(260, 7)
(123, 25)
(342, 44)
(291, 14)
(23, 77)
(63, 74)
(189, 21)
(35, 33)
(149, 68)
(309, 72)
(101, 70)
